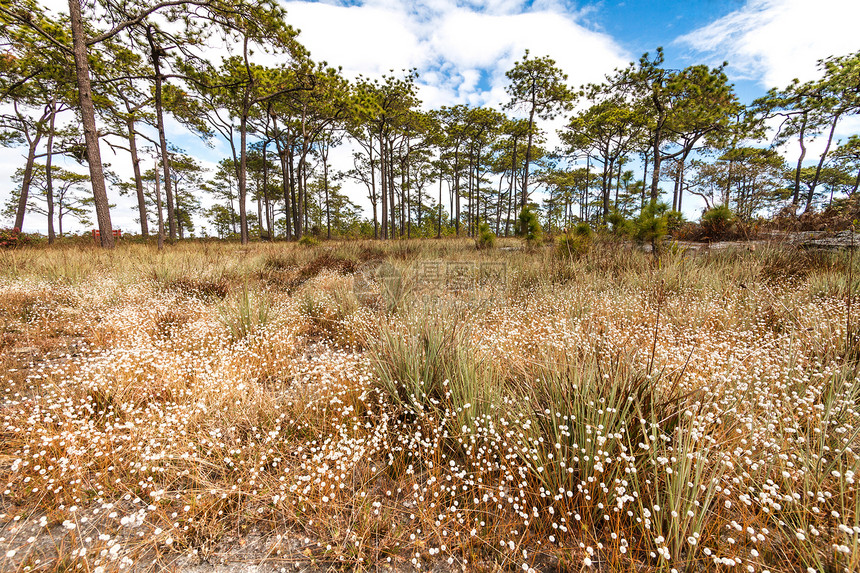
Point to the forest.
(108, 76)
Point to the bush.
(651, 225)
(12, 238)
(308, 241)
(674, 221)
(618, 225)
(486, 238)
(530, 228)
(717, 222)
(575, 243)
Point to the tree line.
(111, 73)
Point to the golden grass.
(615, 412)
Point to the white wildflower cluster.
(549, 426)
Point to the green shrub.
(718, 221)
(619, 225)
(674, 220)
(308, 241)
(576, 242)
(651, 225)
(529, 228)
(486, 237)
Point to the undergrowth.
(612, 410)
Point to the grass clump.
(430, 369)
(247, 313)
(216, 288)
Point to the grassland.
(610, 412)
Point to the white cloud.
(452, 42)
(775, 41)
(363, 39)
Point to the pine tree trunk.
(373, 195)
(510, 204)
(392, 211)
(325, 187)
(138, 180)
(88, 120)
(675, 189)
(159, 208)
(528, 158)
(644, 179)
(156, 53)
(607, 184)
(243, 174)
(404, 197)
(285, 188)
(511, 188)
(457, 188)
(499, 205)
(795, 200)
(266, 189)
(27, 181)
(812, 187)
(469, 190)
(49, 175)
(439, 222)
(587, 185)
(477, 193)
(383, 181)
(728, 191)
(294, 213)
(655, 176)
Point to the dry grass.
(617, 412)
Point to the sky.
(462, 49)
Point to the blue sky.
(456, 40)
(640, 26)
(462, 49)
